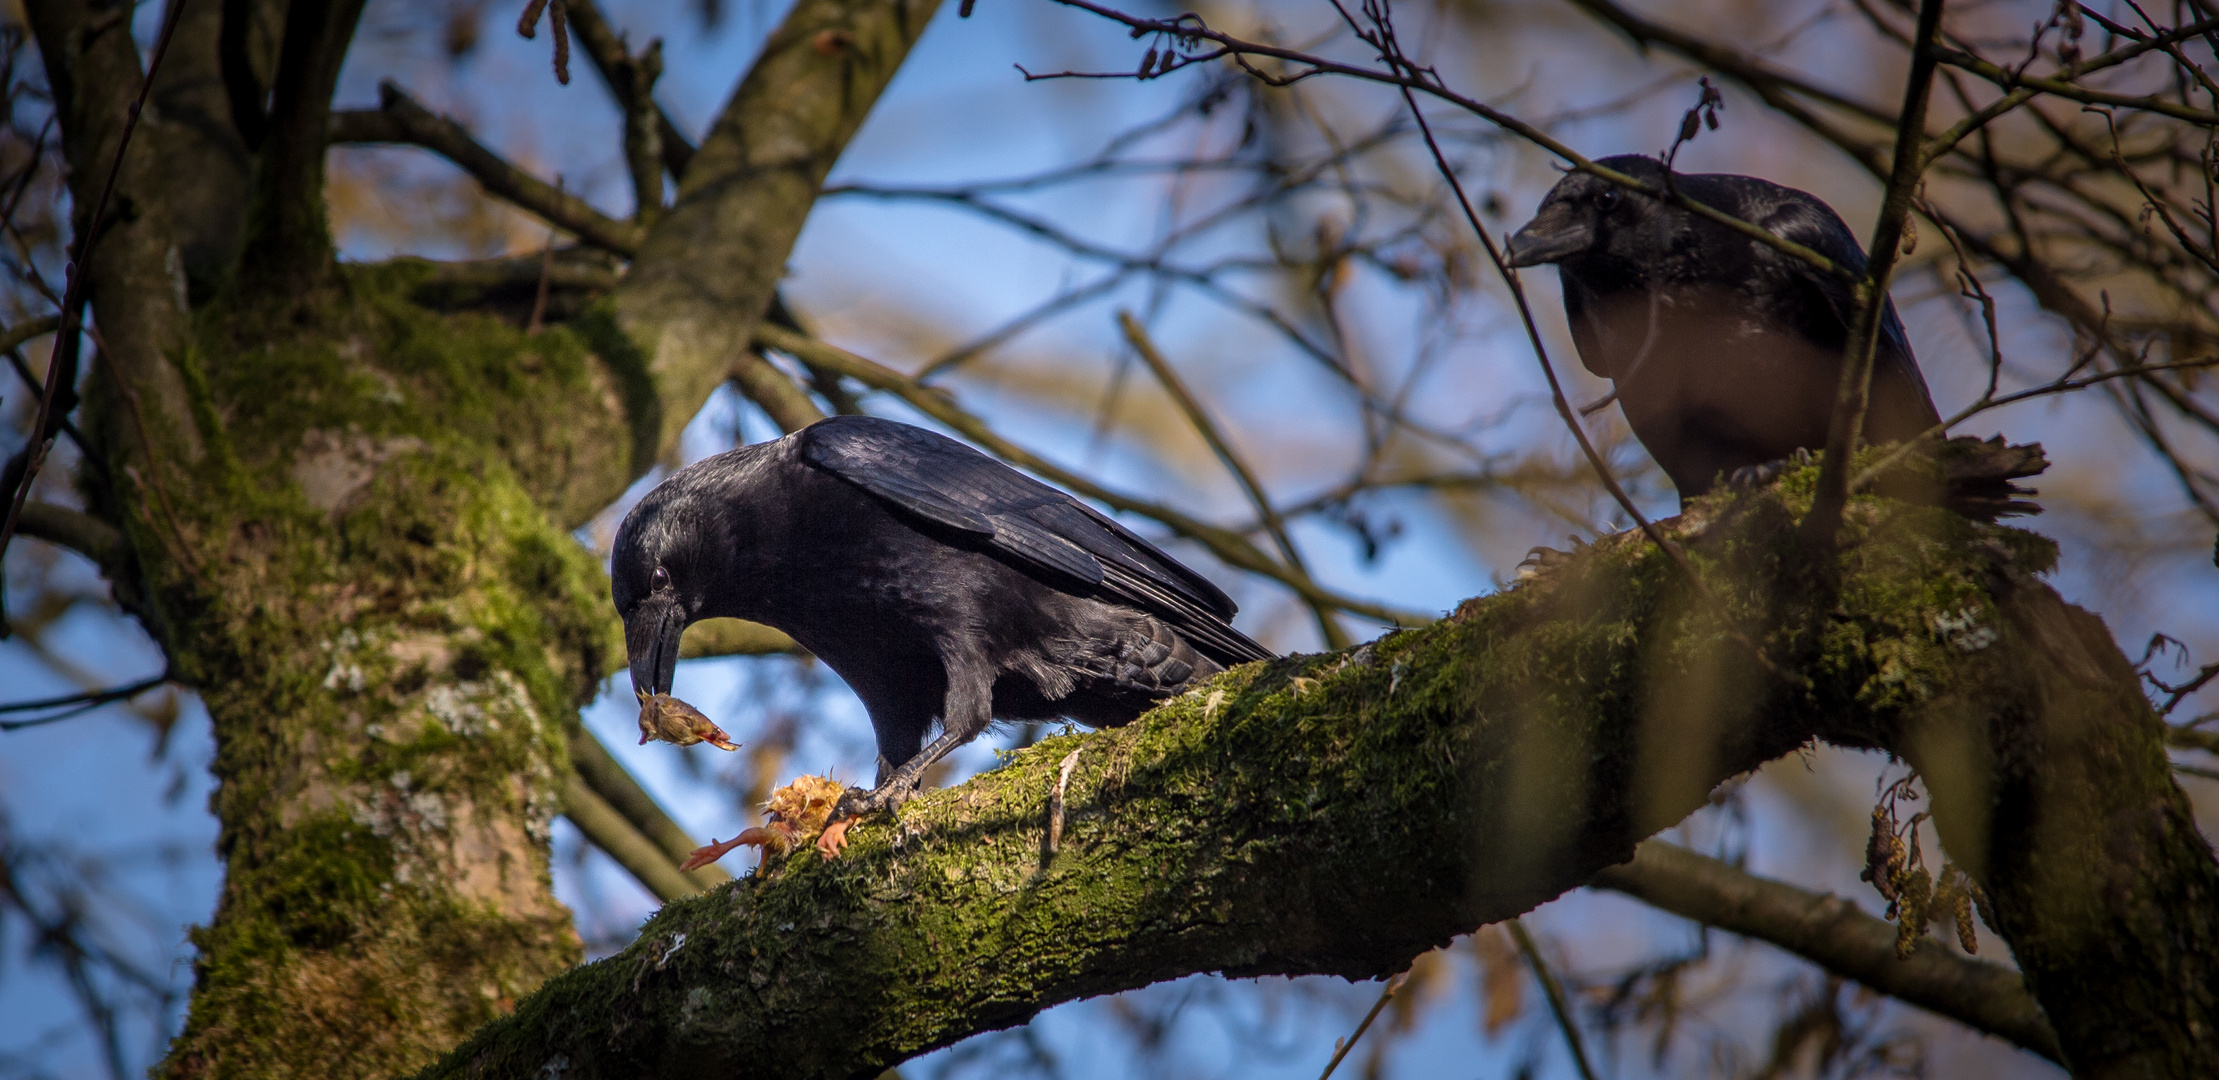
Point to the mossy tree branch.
(1339, 814)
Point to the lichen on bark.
(372, 586)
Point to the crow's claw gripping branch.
(1540, 562)
(1751, 477)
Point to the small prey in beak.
(673, 721)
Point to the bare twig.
(606, 49)
(1343, 1046)
(1847, 426)
(1336, 637)
(77, 704)
(1555, 993)
(1423, 81)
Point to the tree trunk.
(346, 516)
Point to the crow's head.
(1587, 223)
(659, 580)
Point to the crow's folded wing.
(1064, 541)
(1794, 215)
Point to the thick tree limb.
(400, 119)
(1830, 932)
(708, 268)
(194, 134)
(1341, 814)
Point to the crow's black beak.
(651, 643)
(1555, 233)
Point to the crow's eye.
(662, 578)
(1606, 198)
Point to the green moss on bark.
(1340, 814)
(374, 587)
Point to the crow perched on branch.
(1726, 352)
(940, 583)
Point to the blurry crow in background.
(940, 583)
(1726, 352)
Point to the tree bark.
(1340, 814)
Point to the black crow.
(940, 583)
(1726, 352)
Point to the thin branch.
(2027, 91)
(1343, 1046)
(401, 119)
(609, 831)
(2062, 385)
(1336, 636)
(1846, 428)
(730, 637)
(1829, 931)
(783, 399)
(643, 138)
(599, 769)
(78, 531)
(605, 47)
(1424, 81)
(77, 704)
(1555, 993)
(2011, 80)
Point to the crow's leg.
(968, 711)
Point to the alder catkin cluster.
(1916, 898)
